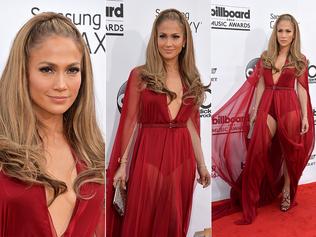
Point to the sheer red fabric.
(253, 168)
(24, 211)
(162, 170)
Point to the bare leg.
(287, 181)
(285, 203)
(286, 198)
(272, 125)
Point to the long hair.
(154, 72)
(21, 146)
(296, 58)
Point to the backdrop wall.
(241, 37)
(128, 29)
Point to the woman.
(277, 97)
(51, 149)
(159, 135)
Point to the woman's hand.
(305, 125)
(120, 176)
(205, 177)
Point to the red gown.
(162, 170)
(24, 211)
(253, 168)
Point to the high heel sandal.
(286, 201)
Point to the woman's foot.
(286, 200)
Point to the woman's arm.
(197, 148)
(257, 98)
(124, 159)
(258, 93)
(302, 96)
(127, 127)
(121, 173)
(196, 142)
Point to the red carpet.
(300, 221)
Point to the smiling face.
(170, 39)
(54, 75)
(285, 33)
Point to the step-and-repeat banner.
(240, 30)
(128, 29)
(88, 16)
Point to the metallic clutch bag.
(119, 199)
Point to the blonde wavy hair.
(295, 57)
(21, 146)
(154, 72)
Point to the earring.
(183, 46)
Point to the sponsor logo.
(225, 124)
(251, 67)
(314, 112)
(311, 73)
(226, 119)
(213, 72)
(230, 18)
(94, 38)
(114, 12)
(311, 161)
(120, 96)
(193, 22)
(205, 110)
(273, 17)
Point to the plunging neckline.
(52, 226)
(168, 109)
(281, 72)
(50, 219)
(167, 104)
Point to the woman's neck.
(172, 66)
(284, 51)
(51, 127)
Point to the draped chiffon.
(253, 168)
(24, 211)
(162, 165)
